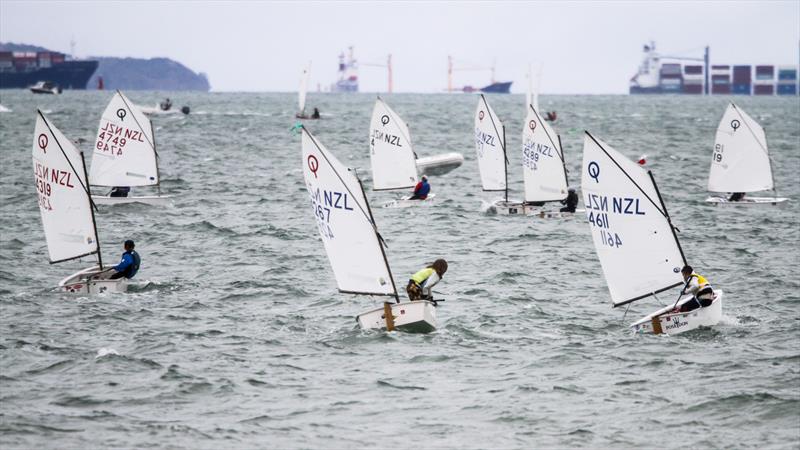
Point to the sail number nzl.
(482, 138)
(112, 138)
(322, 203)
(45, 176)
(390, 139)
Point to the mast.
(381, 242)
(158, 172)
(505, 160)
(91, 210)
(669, 220)
(563, 159)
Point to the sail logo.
(594, 171)
(42, 141)
(735, 124)
(121, 113)
(313, 164)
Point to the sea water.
(236, 336)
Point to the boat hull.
(146, 199)
(676, 323)
(747, 200)
(413, 317)
(406, 202)
(92, 281)
(439, 164)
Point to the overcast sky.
(591, 47)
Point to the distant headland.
(122, 73)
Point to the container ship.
(23, 69)
(494, 87)
(662, 74)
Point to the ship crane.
(463, 68)
(388, 67)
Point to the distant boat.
(635, 240)
(740, 161)
(502, 87)
(125, 153)
(301, 94)
(543, 168)
(45, 87)
(65, 204)
(3, 109)
(354, 247)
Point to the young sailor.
(421, 283)
(699, 286)
(129, 264)
(421, 190)
(571, 201)
(736, 197)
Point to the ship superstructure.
(348, 73)
(661, 74)
(23, 69)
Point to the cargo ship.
(495, 87)
(662, 74)
(23, 69)
(348, 73)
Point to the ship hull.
(498, 88)
(68, 75)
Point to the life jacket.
(701, 281)
(422, 189)
(133, 268)
(422, 275)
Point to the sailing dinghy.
(544, 172)
(635, 240)
(65, 203)
(490, 147)
(391, 155)
(740, 161)
(354, 247)
(301, 94)
(125, 153)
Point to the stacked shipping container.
(720, 79)
(693, 79)
(765, 81)
(787, 80)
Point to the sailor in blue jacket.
(421, 190)
(129, 264)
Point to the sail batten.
(392, 157)
(345, 223)
(490, 147)
(740, 160)
(63, 195)
(634, 239)
(124, 148)
(543, 169)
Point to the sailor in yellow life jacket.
(696, 284)
(421, 283)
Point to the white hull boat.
(406, 202)
(740, 161)
(557, 214)
(665, 322)
(354, 247)
(146, 199)
(748, 200)
(439, 164)
(415, 317)
(93, 280)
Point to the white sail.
(532, 94)
(394, 165)
(124, 149)
(490, 146)
(740, 161)
(632, 234)
(345, 222)
(542, 161)
(61, 189)
(301, 92)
